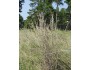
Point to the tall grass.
(42, 49)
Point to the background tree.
(62, 22)
(59, 2)
(42, 14)
(21, 21)
(68, 15)
(20, 5)
(28, 23)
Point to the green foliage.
(61, 19)
(20, 5)
(21, 22)
(68, 14)
(28, 23)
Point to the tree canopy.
(42, 14)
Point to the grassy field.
(44, 50)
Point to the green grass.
(44, 50)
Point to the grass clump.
(43, 49)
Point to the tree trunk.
(56, 17)
(51, 22)
(67, 25)
(41, 19)
(56, 22)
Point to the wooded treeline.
(43, 15)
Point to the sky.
(26, 8)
